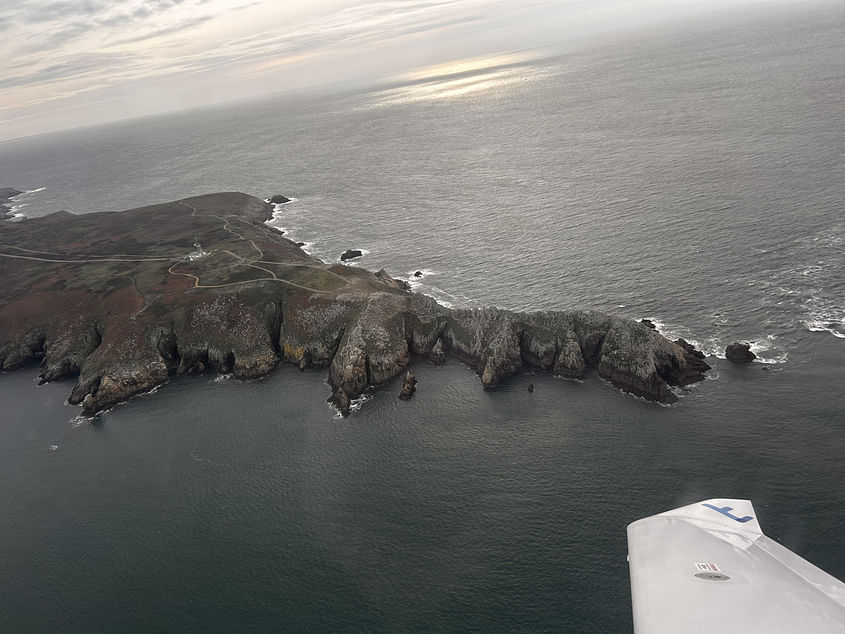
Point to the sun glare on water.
(460, 78)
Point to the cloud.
(356, 27)
(48, 26)
(69, 46)
(75, 67)
(167, 30)
(56, 51)
(58, 10)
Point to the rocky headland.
(124, 300)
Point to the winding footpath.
(122, 257)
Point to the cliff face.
(498, 344)
(125, 324)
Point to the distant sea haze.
(693, 178)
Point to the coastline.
(125, 322)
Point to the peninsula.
(124, 300)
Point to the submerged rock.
(739, 353)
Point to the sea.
(692, 173)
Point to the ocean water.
(691, 174)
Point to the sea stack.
(409, 386)
(739, 353)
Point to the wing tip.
(734, 513)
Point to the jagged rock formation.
(126, 323)
(409, 386)
(739, 353)
(438, 353)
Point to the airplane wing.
(708, 567)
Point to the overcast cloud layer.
(67, 63)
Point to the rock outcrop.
(438, 353)
(409, 386)
(278, 199)
(499, 344)
(739, 353)
(351, 254)
(6, 195)
(124, 325)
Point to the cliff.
(124, 300)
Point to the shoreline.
(125, 324)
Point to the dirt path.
(95, 259)
(250, 263)
(119, 257)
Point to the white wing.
(707, 567)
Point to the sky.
(70, 63)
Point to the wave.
(444, 298)
(443, 302)
(412, 275)
(274, 220)
(823, 315)
(767, 352)
(416, 281)
(711, 346)
(76, 421)
(765, 348)
(418, 285)
(19, 202)
(813, 287)
(823, 325)
(354, 405)
(280, 221)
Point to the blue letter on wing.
(726, 511)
